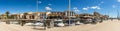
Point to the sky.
(105, 7)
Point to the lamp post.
(69, 6)
(118, 16)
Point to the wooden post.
(44, 24)
(23, 23)
(7, 22)
(50, 24)
(19, 22)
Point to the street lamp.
(69, 6)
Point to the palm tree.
(7, 14)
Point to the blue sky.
(108, 7)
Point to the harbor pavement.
(105, 26)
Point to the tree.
(7, 14)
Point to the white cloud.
(48, 8)
(101, 3)
(88, 7)
(76, 9)
(95, 7)
(92, 7)
(114, 6)
(118, 0)
(49, 4)
(85, 8)
(98, 8)
(14, 13)
(39, 2)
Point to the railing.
(39, 19)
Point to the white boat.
(59, 23)
(29, 24)
(77, 23)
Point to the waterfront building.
(40, 15)
(72, 14)
(3, 16)
(15, 16)
(56, 15)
